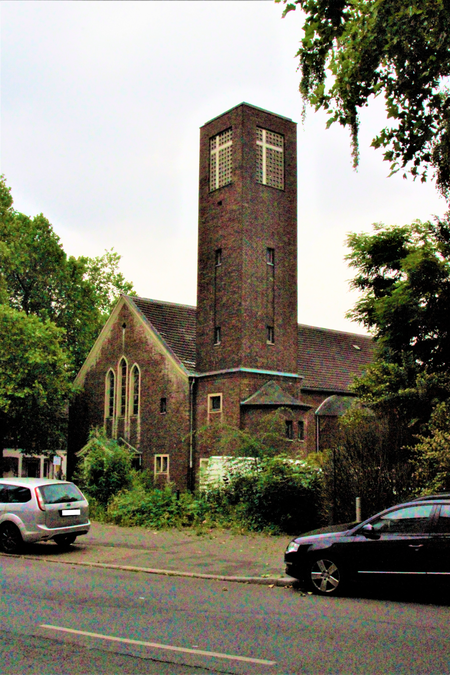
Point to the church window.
(301, 431)
(162, 465)
(270, 256)
(269, 158)
(215, 403)
(270, 335)
(123, 388)
(289, 430)
(218, 257)
(217, 335)
(110, 393)
(163, 405)
(221, 159)
(135, 390)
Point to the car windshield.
(60, 492)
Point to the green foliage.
(278, 495)
(368, 461)
(105, 468)
(403, 273)
(157, 508)
(268, 441)
(34, 382)
(353, 50)
(432, 453)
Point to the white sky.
(101, 108)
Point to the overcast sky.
(101, 108)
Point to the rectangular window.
(270, 158)
(218, 257)
(214, 403)
(217, 335)
(162, 465)
(163, 405)
(221, 159)
(301, 431)
(270, 335)
(271, 256)
(289, 430)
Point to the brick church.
(159, 370)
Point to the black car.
(409, 540)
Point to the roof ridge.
(160, 302)
(335, 330)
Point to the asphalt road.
(58, 619)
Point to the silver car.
(38, 509)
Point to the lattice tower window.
(270, 158)
(221, 159)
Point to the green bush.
(106, 467)
(278, 495)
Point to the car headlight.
(292, 547)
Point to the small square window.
(162, 465)
(301, 431)
(215, 403)
(217, 335)
(289, 430)
(163, 405)
(218, 257)
(271, 256)
(270, 335)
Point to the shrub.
(106, 467)
(277, 495)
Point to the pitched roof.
(175, 323)
(272, 394)
(330, 359)
(327, 359)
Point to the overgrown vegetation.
(277, 494)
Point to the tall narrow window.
(289, 430)
(110, 393)
(163, 405)
(270, 158)
(301, 431)
(221, 159)
(270, 335)
(162, 465)
(218, 257)
(123, 387)
(217, 335)
(270, 256)
(135, 390)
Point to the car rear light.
(39, 499)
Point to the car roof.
(427, 498)
(31, 482)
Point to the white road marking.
(156, 645)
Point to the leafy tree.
(432, 453)
(403, 274)
(34, 382)
(353, 50)
(37, 277)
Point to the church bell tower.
(247, 249)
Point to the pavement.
(213, 554)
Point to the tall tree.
(353, 50)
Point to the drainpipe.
(191, 434)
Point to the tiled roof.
(330, 359)
(327, 359)
(176, 325)
(272, 394)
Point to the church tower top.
(247, 255)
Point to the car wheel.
(10, 538)
(65, 540)
(325, 577)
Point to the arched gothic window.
(123, 388)
(135, 390)
(110, 393)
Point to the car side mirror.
(369, 532)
